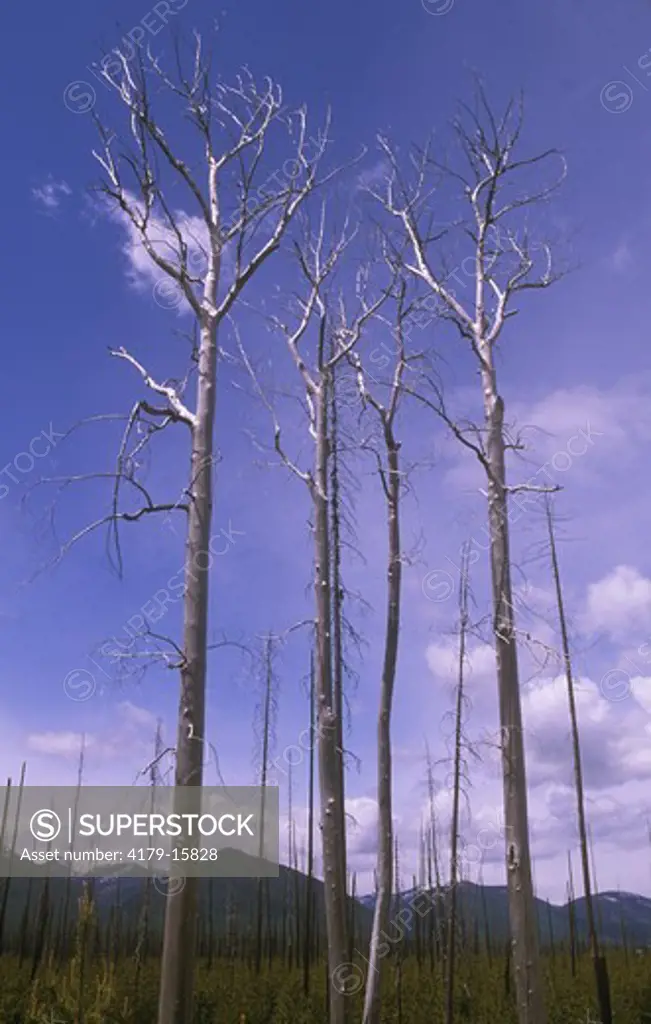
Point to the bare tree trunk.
(6, 881)
(318, 381)
(42, 920)
(438, 915)
(266, 725)
(487, 933)
(524, 932)
(142, 945)
(337, 598)
(290, 906)
(431, 917)
(486, 144)
(253, 232)
(329, 782)
(571, 915)
(12, 850)
(297, 903)
(179, 937)
(391, 483)
(454, 838)
(307, 956)
(599, 962)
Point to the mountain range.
(621, 916)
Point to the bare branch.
(177, 410)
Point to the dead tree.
(323, 320)
(10, 852)
(309, 886)
(267, 711)
(334, 506)
(391, 479)
(571, 913)
(456, 791)
(239, 206)
(600, 966)
(503, 264)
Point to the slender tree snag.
(307, 953)
(599, 962)
(389, 472)
(503, 265)
(268, 720)
(12, 849)
(337, 598)
(600, 923)
(571, 910)
(233, 124)
(456, 793)
(335, 337)
(329, 775)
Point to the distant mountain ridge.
(621, 916)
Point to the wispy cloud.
(51, 193)
(622, 258)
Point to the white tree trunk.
(372, 1003)
(177, 962)
(524, 931)
(334, 877)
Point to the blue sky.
(575, 360)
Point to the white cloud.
(614, 736)
(619, 604)
(139, 718)
(376, 176)
(641, 690)
(49, 194)
(566, 432)
(443, 662)
(130, 729)
(611, 419)
(60, 744)
(142, 273)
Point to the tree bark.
(307, 952)
(524, 931)
(385, 814)
(177, 962)
(266, 724)
(336, 591)
(333, 876)
(599, 963)
(454, 838)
